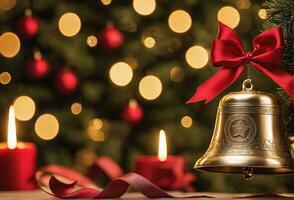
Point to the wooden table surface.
(40, 195)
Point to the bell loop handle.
(247, 85)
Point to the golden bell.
(248, 136)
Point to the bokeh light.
(5, 78)
(37, 55)
(92, 41)
(69, 24)
(144, 7)
(291, 138)
(24, 107)
(106, 2)
(186, 121)
(150, 87)
(7, 4)
(47, 127)
(229, 16)
(96, 135)
(85, 157)
(197, 57)
(76, 108)
(132, 62)
(243, 4)
(9, 44)
(262, 14)
(149, 42)
(121, 74)
(176, 74)
(179, 21)
(95, 130)
(96, 123)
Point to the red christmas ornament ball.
(37, 68)
(67, 81)
(132, 113)
(111, 38)
(28, 26)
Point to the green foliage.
(281, 13)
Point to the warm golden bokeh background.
(102, 77)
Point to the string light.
(262, 14)
(94, 130)
(24, 107)
(229, 16)
(150, 87)
(9, 44)
(176, 74)
(69, 24)
(106, 2)
(46, 127)
(197, 57)
(186, 121)
(121, 74)
(76, 108)
(149, 42)
(92, 41)
(7, 4)
(144, 7)
(179, 21)
(5, 78)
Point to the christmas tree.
(280, 13)
(91, 78)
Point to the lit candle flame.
(162, 149)
(11, 136)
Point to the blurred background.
(102, 77)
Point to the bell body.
(248, 137)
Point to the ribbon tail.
(64, 190)
(118, 187)
(216, 84)
(281, 77)
(115, 189)
(51, 185)
(82, 187)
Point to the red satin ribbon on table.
(228, 52)
(83, 187)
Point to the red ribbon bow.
(228, 51)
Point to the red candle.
(17, 161)
(165, 171)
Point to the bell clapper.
(248, 173)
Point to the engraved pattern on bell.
(249, 109)
(248, 134)
(240, 128)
